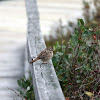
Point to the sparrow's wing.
(42, 54)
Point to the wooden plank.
(11, 69)
(11, 73)
(8, 83)
(8, 95)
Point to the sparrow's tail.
(34, 60)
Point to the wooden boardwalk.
(12, 47)
(12, 36)
(11, 65)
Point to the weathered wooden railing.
(45, 82)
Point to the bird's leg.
(44, 62)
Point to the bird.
(45, 55)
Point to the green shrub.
(77, 66)
(77, 62)
(26, 88)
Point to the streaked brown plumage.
(45, 55)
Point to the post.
(45, 82)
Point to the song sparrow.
(45, 55)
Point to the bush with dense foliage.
(77, 63)
(77, 66)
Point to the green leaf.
(80, 42)
(19, 83)
(81, 24)
(79, 59)
(56, 45)
(70, 49)
(59, 54)
(28, 94)
(60, 72)
(70, 56)
(77, 76)
(22, 83)
(21, 92)
(74, 40)
(78, 81)
(76, 32)
(66, 59)
(76, 51)
(89, 50)
(85, 32)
